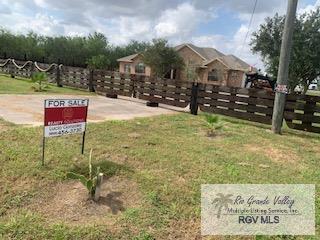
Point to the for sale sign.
(65, 116)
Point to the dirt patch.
(69, 202)
(116, 158)
(191, 229)
(275, 154)
(212, 136)
(4, 126)
(184, 229)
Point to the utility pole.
(283, 71)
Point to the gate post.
(11, 69)
(91, 87)
(152, 88)
(194, 99)
(58, 76)
(133, 80)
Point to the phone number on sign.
(63, 130)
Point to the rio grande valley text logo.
(251, 209)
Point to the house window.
(213, 75)
(140, 68)
(191, 62)
(234, 75)
(127, 68)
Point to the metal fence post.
(194, 99)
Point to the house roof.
(235, 62)
(211, 54)
(231, 62)
(128, 58)
(205, 52)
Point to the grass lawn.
(313, 92)
(154, 167)
(19, 85)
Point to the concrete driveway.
(28, 109)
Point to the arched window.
(140, 68)
(213, 75)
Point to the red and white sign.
(65, 116)
(281, 88)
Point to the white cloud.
(179, 22)
(121, 20)
(234, 45)
(44, 24)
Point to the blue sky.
(221, 24)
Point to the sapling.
(93, 183)
(214, 124)
(39, 78)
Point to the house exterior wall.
(222, 73)
(133, 65)
(191, 60)
(235, 78)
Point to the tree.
(71, 51)
(305, 57)
(116, 52)
(162, 58)
(98, 62)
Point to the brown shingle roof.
(206, 53)
(234, 62)
(128, 58)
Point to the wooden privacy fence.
(112, 83)
(248, 104)
(27, 68)
(74, 77)
(301, 112)
(165, 91)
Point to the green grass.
(19, 85)
(169, 158)
(313, 92)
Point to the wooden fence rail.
(112, 83)
(248, 104)
(301, 112)
(75, 77)
(165, 91)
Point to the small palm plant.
(93, 183)
(222, 201)
(39, 78)
(214, 124)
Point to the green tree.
(71, 51)
(98, 62)
(305, 57)
(116, 52)
(162, 58)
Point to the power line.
(249, 26)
